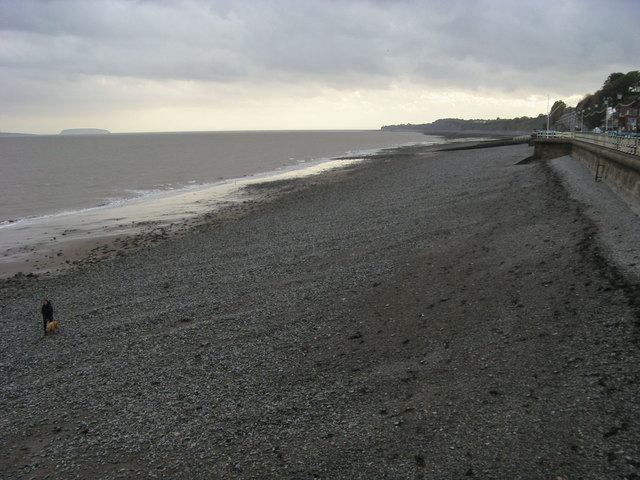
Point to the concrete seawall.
(619, 170)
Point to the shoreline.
(227, 200)
(445, 315)
(86, 240)
(209, 159)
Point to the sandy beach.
(422, 315)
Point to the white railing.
(621, 143)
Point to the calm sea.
(84, 184)
(44, 175)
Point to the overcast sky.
(186, 65)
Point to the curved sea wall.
(619, 170)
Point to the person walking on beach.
(47, 313)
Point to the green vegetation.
(618, 88)
(556, 111)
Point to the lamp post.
(596, 113)
(638, 114)
(619, 95)
(636, 89)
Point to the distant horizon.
(109, 132)
(141, 132)
(202, 65)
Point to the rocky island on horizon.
(84, 131)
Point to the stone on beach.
(420, 316)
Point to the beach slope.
(423, 315)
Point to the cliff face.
(84, 131)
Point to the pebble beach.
(420, 315)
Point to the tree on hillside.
(557, 110)
(618, 88)
(612, 78)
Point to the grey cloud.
(153, 40)
(529, 39)
(493, 44)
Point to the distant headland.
(13, 134)
(458, 126)
(84, 131)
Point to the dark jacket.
(47, 311)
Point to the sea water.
(44, 175)
(83, 185)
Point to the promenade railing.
(622, 143)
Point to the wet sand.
(50, 245)
(425, 315)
